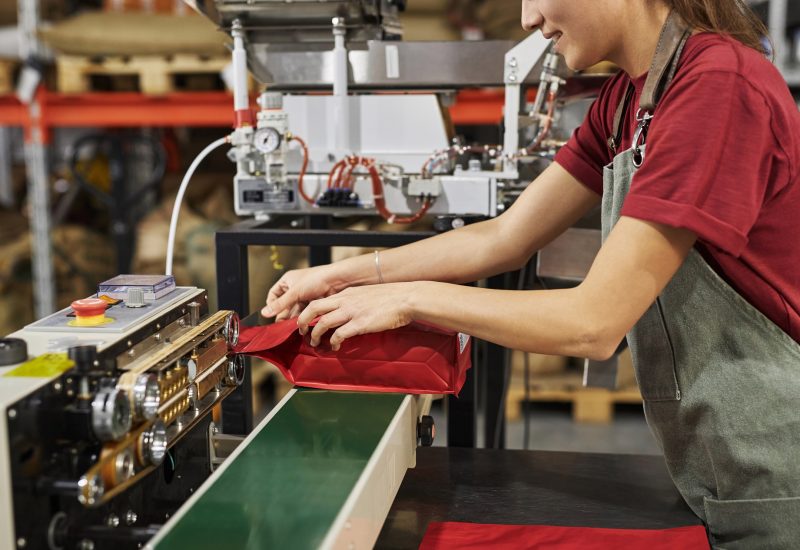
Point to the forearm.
(553, 202)
(553, 322)
(462, 255)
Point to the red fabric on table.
(452, 535)
(412, 359)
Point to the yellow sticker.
(44, 366)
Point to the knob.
(146, 396)
(135, 298)
(84, 357)
(231, 329)
(153, 444)
(426, 431)
(236, 371)
(111, 414)
(12, 351)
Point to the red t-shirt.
(723, 155)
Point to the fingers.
(312, 311)
(345, 331)
(325, 323)
(280, 298)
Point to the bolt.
(157, 337)
(57, 387)
(131, 517)
(12, 413)
(130, 344)
(512, 62)
(131, 353)
(21, 542)
(86, 544)
(512, 78)
(112, 520)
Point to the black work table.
(533, 487)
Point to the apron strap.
(665, 61)
(622, 111)
(671, 42)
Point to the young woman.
(693, 152)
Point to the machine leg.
(233, 293)
(496, 359)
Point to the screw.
(131, 517)
(512, 78)
(12, 413)
(21, 542)
(57, 387)
(130, 343)
(512, 62)
(112, 520)
(86, 544)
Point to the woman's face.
(585, 31)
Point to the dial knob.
(267, 140)
(12, 351)
(111, 414)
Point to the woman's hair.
(731, 17)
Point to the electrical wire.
(173, 222)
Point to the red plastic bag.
(477, 536)
(412, 359)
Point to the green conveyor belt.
(287, 487)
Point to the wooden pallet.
(156, 74)
(594, 405)
(7, 70)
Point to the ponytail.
(730, 17)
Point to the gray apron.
(720, 381)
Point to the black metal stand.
(232, 292)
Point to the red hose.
(303, 170)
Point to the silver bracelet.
(378, 266)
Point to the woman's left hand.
(358, 310)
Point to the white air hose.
(173, 222)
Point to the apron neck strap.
(671, 41)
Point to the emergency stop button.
(89, 312)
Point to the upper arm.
(545, 209)
(633, 266)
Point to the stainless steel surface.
(305, 21)
(419, 65)
(194, 313)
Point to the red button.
(89, 307)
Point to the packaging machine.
(110, 421)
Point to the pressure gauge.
(267, 140)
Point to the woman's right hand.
(295, 289)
